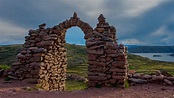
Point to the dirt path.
(15, 90)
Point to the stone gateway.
(43, 56)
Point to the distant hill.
(76, 54)
(131, 46)
(8, 53)
(151, 49)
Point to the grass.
(79, 70)
(145, 65)
(75, 85)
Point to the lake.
(158, 56)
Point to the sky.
(138, 22)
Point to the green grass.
(75, 85)
(145, 65)
(79, 70)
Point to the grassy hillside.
(8, 53)
(77, 60)
(76, 55)
(145, 65)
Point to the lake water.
(162, 57)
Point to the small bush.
(5, 67)
(114, 85)
(7, 79)
(126, 84)
(98, 86)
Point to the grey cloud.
(10, 33)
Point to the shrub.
(5, 67)
(126, 84)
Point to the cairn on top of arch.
(101, 19)
(75, 15)
(102, 22)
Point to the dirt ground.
(17, 89)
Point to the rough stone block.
(31, 32)
(43, 33)
(96, 78)
(36, 59)
(118, 70)
(95, 51)
(38, 39)
(95, 69)
(139, 81)
(118, 77)
(170, 78)
(100, 30)
(168, 82)
(157, 78)
(89, 44)
(96, 63)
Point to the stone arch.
(43, 56)
(59, 32)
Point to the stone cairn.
(43, 56)
(107, 60)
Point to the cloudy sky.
(140, 22)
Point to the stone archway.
(43, 56)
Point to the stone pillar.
(107, 61)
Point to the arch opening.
(76, 73)
(75, 35)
